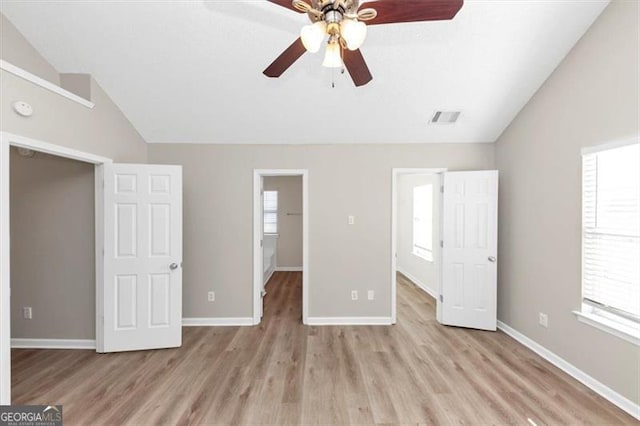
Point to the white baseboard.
(349, 321)
(417, 282)
(289, 268)
(18, 343)
(269, 277)
(210, 322)
(601, 389)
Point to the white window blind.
(423, 221)
(270, 209)
(611, 232)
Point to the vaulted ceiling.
(191, 71)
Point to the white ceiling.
(191, 71)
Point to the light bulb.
(332, 57)
(354, 33)
(313, 35)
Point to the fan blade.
(397, 11)
(285, 3)
(286, 59)
(357, 67)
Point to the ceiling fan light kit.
(344, 23)
(333, 55)
(312, 36)
(353, 32)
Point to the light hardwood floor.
(282, 372)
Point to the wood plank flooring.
(283, 372)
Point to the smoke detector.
(445, 117)
(22, 108)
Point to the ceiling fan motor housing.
(333, 7)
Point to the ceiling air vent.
(445, 117)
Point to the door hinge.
(441, 244)
(260, 243)
(442, 189)
(441, 299)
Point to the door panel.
(469, 255)
(126, 298)
(126, 224)
(160, 230)
(160, 300)
(142, 287)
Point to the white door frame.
(395, 172)
(258, 276)
(8, 140)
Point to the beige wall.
(103, 130)
(343, 180)
(52, 247)
(79, 84)
(592, 98)
(422, 272)
(14, 48)
(289, 252)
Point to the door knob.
(173, 266)
(492, 259)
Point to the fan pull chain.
(333, 78)
(333, 70)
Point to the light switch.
(352, 220)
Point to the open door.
(468, 296)
(140, 298)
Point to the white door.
(141, 295)
(469, 254)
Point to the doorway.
(140, 240)
(52, 251)
(416, 229)
(272, 208)
(7, 141)
(465, 251)
(282, 225)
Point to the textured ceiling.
(190, 71)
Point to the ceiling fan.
(343, 22)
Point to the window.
(423, 222)
(611, 237)
(270, 209)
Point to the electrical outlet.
(27, 312)
(211, 296)
(371, 295)
(354, 295)
(543, 320)
(351, 220)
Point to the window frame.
(601, 317)
(264, 211)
